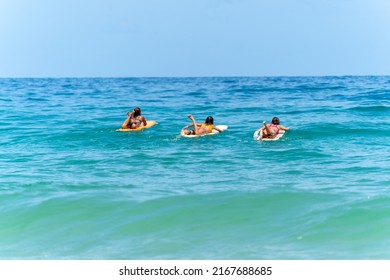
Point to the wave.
(279, 224)
(374, 108)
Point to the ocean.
(71, 187)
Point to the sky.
(188, 38)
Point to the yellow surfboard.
(149, 124)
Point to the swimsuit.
(208, 126)
(135, 121)
(273, 125)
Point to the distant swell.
(371, 108)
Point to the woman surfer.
(134, 119)
(200, 128)
(271, 130)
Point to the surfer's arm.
(283, 128)
(125, 124)
(265, 126)
(144, 120)
(216, 128)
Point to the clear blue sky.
(138, 38)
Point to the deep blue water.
(71, 187)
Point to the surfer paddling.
(271, 130)
(200, 128)
(134, 119)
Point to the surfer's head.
(137, 111)
(275, 120)
(209, 120)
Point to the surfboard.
(149, 124)
(221, 127)
(258, 135)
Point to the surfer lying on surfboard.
(134, 119)
(201, 128)
(271, 130)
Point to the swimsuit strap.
(136, 119)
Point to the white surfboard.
(258, 135)
(221, 127)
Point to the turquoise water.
(71, 187)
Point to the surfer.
(272, 129)
(134, 119)
(200, 128)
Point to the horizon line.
(194, 77)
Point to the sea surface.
(71, 187)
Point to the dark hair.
(275, 120)
(137, 111)
(209, 120)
